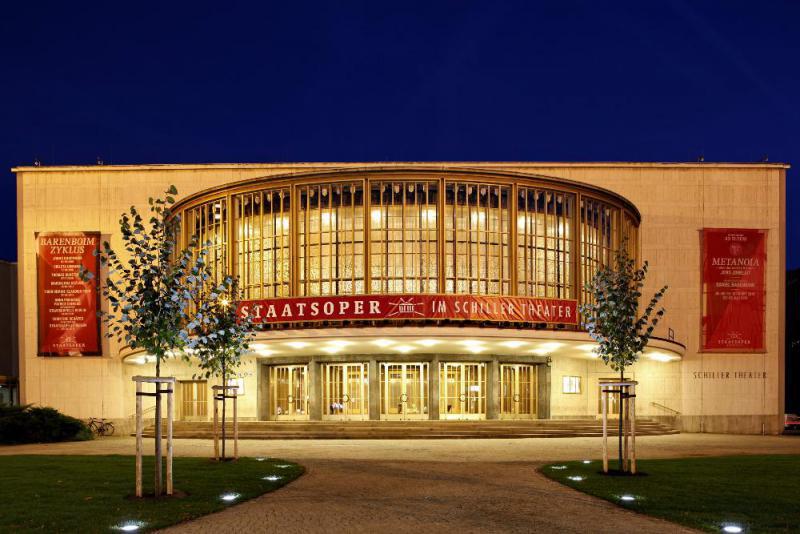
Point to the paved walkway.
(459, 486)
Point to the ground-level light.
(732, 529)
(558, 467)
(272, 478)
(229, 497)
(129, 526)
(576, 478)
(627, 498)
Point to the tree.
(612, 319)
(150, 294)
(222, 337)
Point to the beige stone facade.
(704, 392)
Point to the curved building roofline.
(415, 170)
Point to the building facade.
(431, 291)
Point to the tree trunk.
(621, 418)
(224, 398)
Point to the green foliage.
(612, 316)
(150, 294)
(757, 492)
(88, 494)
(221, 338)
(27, 424)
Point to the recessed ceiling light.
(297, 344)
(403, 348)
(660, 357)
(256, 346)
(588, 347)
(332, 349)
(382, 342)
(428, 342)
(513, 343)
(340, 342)
(471, 342)
(551, 346)
(540, 352)
(265, 352)
(476, 349)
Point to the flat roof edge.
(352, 164)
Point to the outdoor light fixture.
(260, 459)
(587, 461)
(513, 343)
(297, 344)
(427, 342)
(129, 526)
(558, 467)
(403, 348)
(382, 342)
(283, 466)
(272, 478)
(627, 498)
(732, 529)
(229, 497)
(576, 478)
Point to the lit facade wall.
(480, 228)
(414, 232)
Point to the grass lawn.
(94, 493)
(758, 493)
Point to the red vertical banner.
(68, 322)
(733, 289)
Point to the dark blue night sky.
(345, 81)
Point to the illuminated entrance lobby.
(417, 295)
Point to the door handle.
(403, 397)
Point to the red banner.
(410, 306)
(68, 322)
(733, 287)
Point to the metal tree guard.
(221, 393)
(158, 381)
(627, 405)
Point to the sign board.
(410, 306)
(68, 322)
(733, 289)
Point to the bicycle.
(101, 427)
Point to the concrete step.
(496, 429)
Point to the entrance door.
(462, 391)
(404, 390)
(345, 391)
(288, 393)
(518, 391)
(194, 405)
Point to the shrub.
(27, 424)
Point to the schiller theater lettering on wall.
(428, 291)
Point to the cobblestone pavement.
(433, 485)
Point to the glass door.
(194, 405)
(518, 391)
(462, 391)
(404, 390)
(345, 391)
(288, 392)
